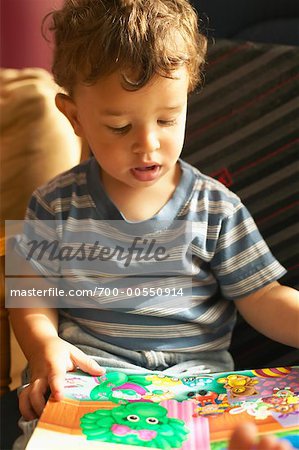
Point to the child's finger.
(272, 443)
(56, 383)
(243, 437)
(284, 445)
(86, 363)
(32, 399)
(38, 390)
(25, 406)
(56, 372)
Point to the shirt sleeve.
(39, 242)
(243, 262)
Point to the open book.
(130, 410)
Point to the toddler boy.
(126, 68)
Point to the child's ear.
(67, 106)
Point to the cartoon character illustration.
(118, 387)
(209, 403)
(258, 409)
(163, 380)
(197, 381)
(273, 400)
(239, 385)
(144, 424)
(203, 397)
(284, 401)
(212, 409)
(287, 409)
(287, 394)
(158, 396)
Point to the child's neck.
(141, 204)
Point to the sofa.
(37, 142)
(265, 21)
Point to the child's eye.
(167, 123)
(119, 130)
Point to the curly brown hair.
(94, 38)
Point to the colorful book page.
(129, 410)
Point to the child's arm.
(274, 311)
(49, 357)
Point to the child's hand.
(48, 367)
(245, 438)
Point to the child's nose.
(146, 142)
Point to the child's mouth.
(146, 173)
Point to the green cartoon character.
(120, 388)
(144, 424)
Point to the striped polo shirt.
(229, 260)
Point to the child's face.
(136, 136)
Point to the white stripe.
(213, 313)
(79, 202)
(243, 258)
(221, 343)
(222, 207)
(255, 281)
(63, 181)
(238, 232)
(144, 331)
(201, 253)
